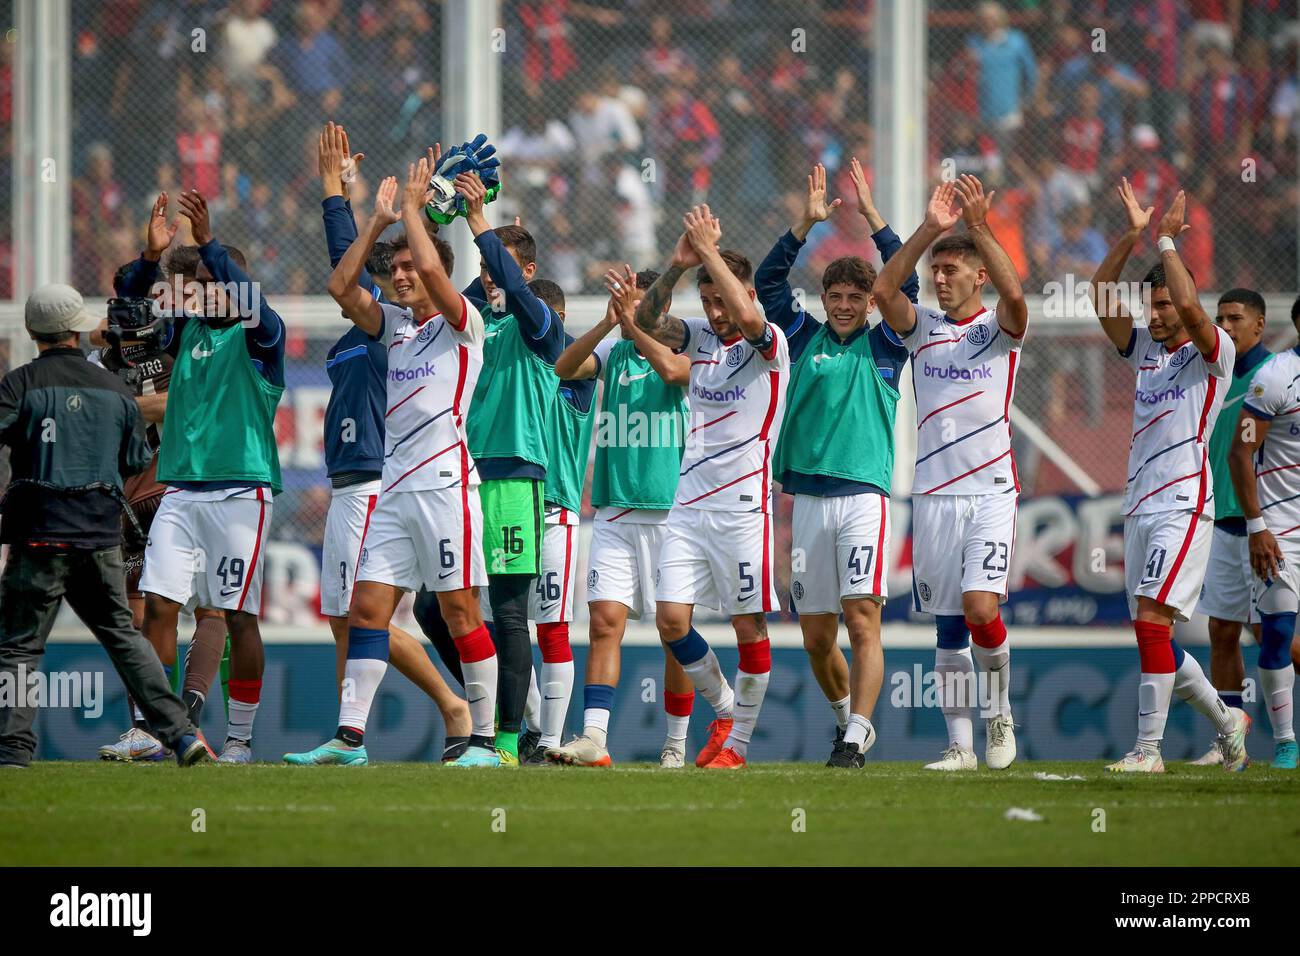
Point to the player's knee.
(749, 628)
(243, 626)
(862, 621)
(818, 640)
(1224, 635)
(159, 611)
(979, 607)
(365, 611)
(672, 626)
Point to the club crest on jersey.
(923, 589)
(1180, 357)
(592, 577)
(978, 335)
(797, 590)
(425, 333)
(733, 356)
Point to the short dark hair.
(54, 338)
(962, 246)
(737, 265)
(119, 277)
(849, 270)
(520, 240)
(183, 261)
(1247, 297)
(380, 261)
(1156, 278)
(647, 277)
(1295, 309)
(550, 293)
(400, 244)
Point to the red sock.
(988, 635)
(678, 705)
(1155, 647)
(553, 639)
(756, 658)
(245, 691)
(475, 646)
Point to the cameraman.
(73, 430)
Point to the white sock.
(995, 662)
(677, 728)
(481, 694)
(557, 690)
(706, 675)
(361, 678)
(841, 709)
(858, 730)
(1191, 685)
(239, 724)
(533, 704)
(750, 690)
(956, 670)
(1154, 693)
(1278, 687)
(598, 734)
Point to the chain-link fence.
(618, 114)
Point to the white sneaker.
(580, 752)
(236, 751)
(955, 758)
(1211, 758)
(1138, 761)
(1233, 743)
(1000, 750)
(134, 746)
(672, 758)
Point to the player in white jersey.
(1183, 364)
(1265, 463)
(718, 544)
(964, 490)
(426, 529)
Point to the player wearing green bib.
(1225, 595)
(836, 456)
(218, 457)
(639, 440)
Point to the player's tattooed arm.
(896, 309)
(445, 296)
(1181, 287)
(673, 368)
(1115, 320)
(576, 362)
(1265, 554)
(704, 232)
(1013, 312)
(357, 303)
(652, 316)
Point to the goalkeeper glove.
(477, 156)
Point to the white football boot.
(1000, 750)
(1211, 758)
(1138, 761)
(581, 751)
(1233, 743)
(134, 746)
(236, 751)
(955, 758)
(672, 758)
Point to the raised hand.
(472, 188)
(975, 204)
(684, 254)
(703, 230)
(866, 206)
(385, 195)
(417, 185)
(1138, 218)
(195, 208)
(160, 234)
(815, 208)
(942, 213)
(622, 294)
(1173, 223)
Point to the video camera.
(133, 322)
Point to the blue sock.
(1231, 698)
(1275, 634)
(598, 697)
(690, 648)
(367, 644)
(1179, 654)
(952, 630)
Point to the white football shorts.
(1165, 556)
(839, 549)
(346, 523)
(719, 559)
(960, 543)
(431, 538)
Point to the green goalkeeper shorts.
(514, 518)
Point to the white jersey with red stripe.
(963, 376)
(1274, 395)
(433, 366)
(1179, 394)
(737, 399)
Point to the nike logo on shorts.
(227, 592)
(854, 582)
(447, 575)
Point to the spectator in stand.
(689, 141)
(662, 59)
(314, 65)
(100, 209)
(1157, 28)
(1221, 107)
(968, 150)
(1080, 248)
(198, 148)
(1196, 247)
(1008, 72)
(246, 38)
(1082, 136)
(1117, 84)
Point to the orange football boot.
(718, 733)
(727, 759)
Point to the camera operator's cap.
(56, 308)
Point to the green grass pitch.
(82, 814)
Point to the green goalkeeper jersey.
(512, 401)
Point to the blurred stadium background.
(612, 116)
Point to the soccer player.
(1225, 595)
(717, 547)
(550, 603)
(427, 526)
(638, 455)
(964, 492)
(836, 456)
(136, 356)
(1265, 463)
(1183, 364)
(218, 458)
(357, 365)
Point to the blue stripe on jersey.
(1280, 501)
(433, 338)
(411, 434)
(357, 351)
(995, 421)
(717, 454)
(987, 345)
(1158, 454)
(743, 364)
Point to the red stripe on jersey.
(626, 511)
(1010, 333)
(467, 537)
(969, 473)
(1213, 356)
(930, 345)
(1178, 561)
(734, 481)
(464, 316)
(436, 454)
(1269, 471)
(1205, 409)
(942, 408)
(1011, 384)
(1288, 530)
(880, 546)
(774, 380)
(365, 526)
(398, 342)
(405, 400)
(704, 362)
(462, 370)
(1164, 486)
(966, 321)
(1148, 425)
(257, 548)
(772, 350)
(714, 422)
